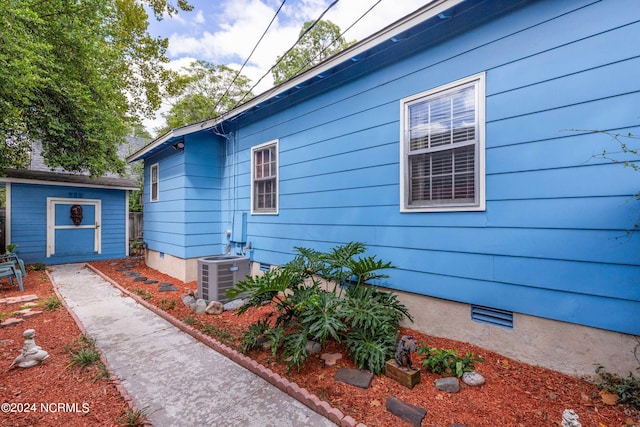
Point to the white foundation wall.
(572, 349)
(185, 270)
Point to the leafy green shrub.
(51, 303)
(40, 266)
(627, 389)
(252, 335)
(143, 294)
(166, 304)
(364, 317)
(447, 362)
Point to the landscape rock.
(214, 307)
(139, 279)
(330, 359)
(19, 299)
(313, 347)
(188, 300)
(166, 287)
(234, 304)
(410, 413)
(473, 379)
(200, 306)
(449, 384)
(150, 282)
(11, 321)
(354, 377)
(570, 419)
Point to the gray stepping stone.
(131, 274)
(122, 269)
(354, 377)
(139, 279)
(166, 287)
(150, 282)
(410, 413)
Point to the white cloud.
(233, 27)
(199, 19)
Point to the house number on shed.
(76, 214)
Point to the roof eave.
(426, 12)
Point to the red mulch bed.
(516, 394)
(53, 393)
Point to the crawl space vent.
(492, 316)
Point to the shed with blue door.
(57, 218)
(462, 143)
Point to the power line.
(304, 67)
(289, 50)
(247, 60)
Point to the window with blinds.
(442, 145)
(264, 179)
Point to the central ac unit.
(218, 273)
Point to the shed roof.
(66, 179)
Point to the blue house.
(458, 143)
(57, 218)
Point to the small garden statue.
(31, 354)
(570, 419)
(403, 352)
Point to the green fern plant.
(252, 335)
(365, 317)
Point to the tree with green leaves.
(316, 43)
(204, 91)
(76, 75)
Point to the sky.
(224, 32)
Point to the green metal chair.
(8, 270)
(13, 259)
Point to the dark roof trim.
(64, 179)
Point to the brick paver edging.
(113, 378)
(301, 394)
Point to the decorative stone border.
(292, 389)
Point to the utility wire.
(285, 54)
(304, 67)
(249, 57)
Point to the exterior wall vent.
(492, 316)
(218, 273)
(265, 267)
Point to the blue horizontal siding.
(554, 240)
(187, 217)
(29, 221)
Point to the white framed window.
(264, 178)
(442, 148)
(154, 172)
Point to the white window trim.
(253, 150)
(157, 167)
(480, 148)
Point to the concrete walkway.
(182, 381)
